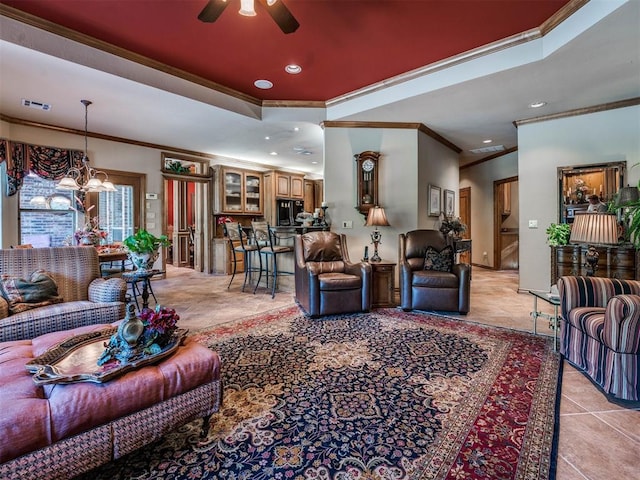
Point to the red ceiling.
(342, 45)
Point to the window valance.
(47, 162)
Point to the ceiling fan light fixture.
(247, 8)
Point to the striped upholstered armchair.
(600, 331)
(86, 298)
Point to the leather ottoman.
(62, 430)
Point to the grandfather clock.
(366, 181)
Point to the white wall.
(409, 161)
(480, 179)
(609, 136)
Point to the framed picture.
(434, 201)
(449, 203)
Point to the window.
(47, 216)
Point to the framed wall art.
(434, 206)
(449, 203)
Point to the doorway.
(187, 201)
(506, 237)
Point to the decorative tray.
(75, 359)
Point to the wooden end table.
(383, 282)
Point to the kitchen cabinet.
(239, 191)
(289, 186)
(281, 186)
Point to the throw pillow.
(441, 261)
(24, 294)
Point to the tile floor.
(598, 440)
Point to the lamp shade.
(627, 195)
(595, 228)
(377, 218)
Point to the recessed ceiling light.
(263, 84)
(488, 140)
(273, 153)
(315, 163)
(267, 138)
(537, 104)
(296, 129)
(293, 69)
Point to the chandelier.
(85, 178)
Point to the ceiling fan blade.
(282, 16)
(212, 10)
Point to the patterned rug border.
(254, 320)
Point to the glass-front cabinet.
(240, 191)
(252, 192)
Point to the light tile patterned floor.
(598, 440)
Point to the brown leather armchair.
(326, 281)
(423, 289)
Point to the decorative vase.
(143, 261)
(90, 240)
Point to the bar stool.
(267, 240)
(240, 243)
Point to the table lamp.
(594, 229)
(376, 218)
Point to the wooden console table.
(383, 282)
(615, 261)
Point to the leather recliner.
(422, 289)
(326, 281)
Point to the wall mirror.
(577, 183)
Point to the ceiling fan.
(278, 11)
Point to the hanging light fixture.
(85, 178)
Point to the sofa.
(600, 332)
(85, 297)
(429, 277)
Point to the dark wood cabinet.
(383, 278)
(617, 261)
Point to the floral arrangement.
(452, 225)
(91, 233)
(581, 186)
(159, 325)
(222, 220)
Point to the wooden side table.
(383, 280)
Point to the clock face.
(368, 165)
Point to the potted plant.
(143, 248)
(558, 234)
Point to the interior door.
(465, 217)
(506, 240)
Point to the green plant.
(558, 234)
(145, 242)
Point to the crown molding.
(73, 131)
(489, 157)
(399, 125)
(580, 111)
(89, 41)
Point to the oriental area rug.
(381, 395)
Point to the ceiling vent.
(302, 151)
(33, 104)
(492, 148)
